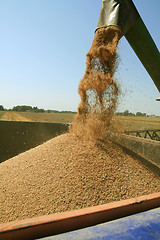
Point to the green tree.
(139, 114)
(126, 113)
(35, 109)
(1, 108)
(22, 108)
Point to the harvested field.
(37, 117)
(12, 116)
(49, 117)
(138, 123)
(69, 172)
(125, 123)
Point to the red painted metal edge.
(48, 225)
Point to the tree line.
(127, 113)
(24, 108)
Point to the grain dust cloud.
(98, 89)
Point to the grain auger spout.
(124, 15)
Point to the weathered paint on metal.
(144, 226)
(146, 148)
(58, 223)
(120, 13)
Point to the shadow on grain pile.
(81, 168)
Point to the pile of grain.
(69, 172)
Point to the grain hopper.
(121, 13)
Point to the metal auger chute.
(123, 14)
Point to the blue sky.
(43, 48)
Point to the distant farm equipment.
(151, 134)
